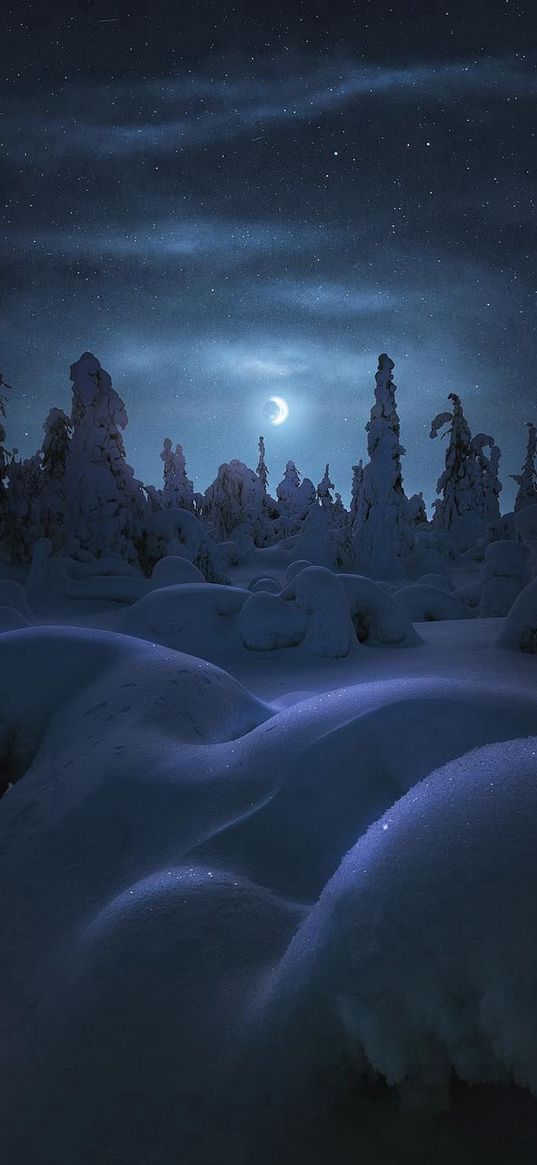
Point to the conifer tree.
(382, 534)
(469, 486)
(262, 471)
(527, 478)
(178, 489)
(323, 490)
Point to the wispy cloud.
(330, 299)
(169, 238)
(172, 115)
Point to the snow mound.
(525, 521)
(424, 603)
(318, 595)
(312, 610)
(441, 581)
(12, 594)
(505, 572)
(112, 588)
(124, 686)
(420, 958)
(295, 567)
(265, 583)
(12, 620)
(378, 618)
(347, 760)
(173, 571)
(266, 623)
(520, 630)
(192, 617)
(506, 559)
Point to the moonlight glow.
(276, 410)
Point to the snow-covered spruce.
(469, 487)
(53, 495)
(178, 490)
(527, 478)
(179, 532)
(324, 489)
(106, 506)
(237, 501)
(382, 532)
(295, 498)
(262, 471)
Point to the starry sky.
(226, 202)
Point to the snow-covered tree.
(233, 500)
(262, 471)
(54, 455)
(321, 541)
(295, 497)
(527, 478)
(106, 504)
(178, 488)
(417, 514)
(469, 485)
(382, 535)
(357, 479)
(23, 507)
(4, 462)
(489, 465)
(340, 516)
(323, 490)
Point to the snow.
(179, 922)
(420, 957)
(173, 570)
(267, 824)
(13, 595)
(377, 617)
(520, 630)
(423, 601)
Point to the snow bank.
(264, 583)
(377, 617)
(520, 630)
(525, 521)
(505, 572)
(428, 603)
(266, 623)
(295, 567)
(114, 589)
(317, 593)
(12, 620)
(12, 594)
(420, 958)
(173, 570)
(151, 856)
(344, 759)
(441, 581)
(192, 617)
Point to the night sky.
(226, 202)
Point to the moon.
(276, 410)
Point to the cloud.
(176, 114)
(331, 299)
(169, 238)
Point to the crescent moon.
(284, 410)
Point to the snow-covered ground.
(266, 905)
